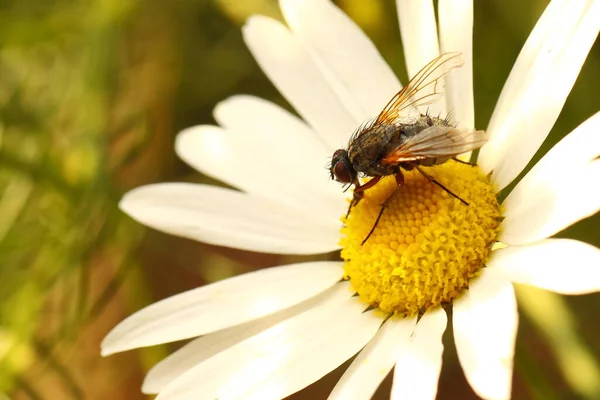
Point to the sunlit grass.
(556, 325)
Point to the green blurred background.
(92, 94)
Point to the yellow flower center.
(427, 245)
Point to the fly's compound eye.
(341, 172)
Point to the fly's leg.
(359, 191)
(463, 162)
(400, 182)
(432, 180)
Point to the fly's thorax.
(369, 146)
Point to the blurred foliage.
(92, 94)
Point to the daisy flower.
(270, 333)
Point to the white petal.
(418, 367)
(552, 205)
(485, 328)
(538, 86)
(264, 150)
(579, 147)
(456, 34)
(562, 265)
(193, 353)
(375, 361)
(284, 358)
(221, 305)
(348, 59)
(226, 217)
(295, 74)
(205, 347)
(559, 191)
(419, 38)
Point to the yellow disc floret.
(427, 245)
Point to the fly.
(401, 138)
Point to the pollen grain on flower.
(427, 246)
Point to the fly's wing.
(436, 142)
(424, 88)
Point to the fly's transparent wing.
(436, 142)
(424, 88)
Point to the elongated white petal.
(562, 265)
(284, 358)
(418, 367)
(296, 373)
(269, 129)
(347, 58)
(297, 164)
(553, 206)
(578, 148)
(207, 346)
(419, 39)
(375, 361)
(195, 352)
(559, 191)
(264, 150)
(456, 34)
(221, 305)
(292, 70)
(229, 218)
(258, 170)
(419, 33)
(538, 86)
(485, 327)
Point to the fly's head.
(341, 168)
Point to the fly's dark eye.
(341, 172)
